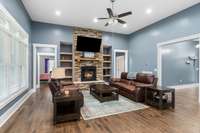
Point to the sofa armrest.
(142, 85)
(140, 91)
(139, 94)
(115, 79)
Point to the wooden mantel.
(88, 59)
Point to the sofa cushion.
(125, 87)
(125, 81)
(115, 79)
(124, 75)
(142, 84)
(145, 78)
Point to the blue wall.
(52, 34)
(175, 70)
(17, 10)
(143, 43)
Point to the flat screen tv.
(88, 44)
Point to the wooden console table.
(160, 102)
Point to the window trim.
(5, 101)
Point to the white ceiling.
(81, 13)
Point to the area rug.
(93, 109)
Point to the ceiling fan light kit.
(114, 18)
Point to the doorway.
(120, 62)
(46, 63)
(182, 67)
(44, 59)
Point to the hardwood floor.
(35, 116)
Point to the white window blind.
(13, 57)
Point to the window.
(13, 57)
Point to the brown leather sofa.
(134, 89)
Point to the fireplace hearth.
(88, 73)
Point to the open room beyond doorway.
(178, 68)
(39, 52)
(120, 62)
(45, 64)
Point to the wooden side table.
(160, 103)
(67, 107)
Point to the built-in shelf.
(107, 75)
(107, 63)
(107, 67)
(65, 60)
(88, 59)
(65, 53)
(68, 77)
(107, 55)
(68, 68)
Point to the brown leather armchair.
(56, 90)
(134, 89)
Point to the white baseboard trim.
(185, 86)
(15, 107)
(38, 86)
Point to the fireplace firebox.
(88, 73)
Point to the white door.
(119, 63)
(51, 65)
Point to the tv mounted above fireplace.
(88, 44)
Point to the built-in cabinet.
(66, 59)
(107, 62)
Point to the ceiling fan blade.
(102, 18)
(121, 21)
(110, 12)
(106, 24)
(124, 14)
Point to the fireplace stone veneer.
(79, 61)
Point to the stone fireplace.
(88, 73)
(87, 70)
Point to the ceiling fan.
(114, 18)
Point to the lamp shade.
(58, 73)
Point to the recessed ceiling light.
(95, 20)
(110, 21)
(58, 13)
(124, 25)
(115, 21)
(149, 11)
